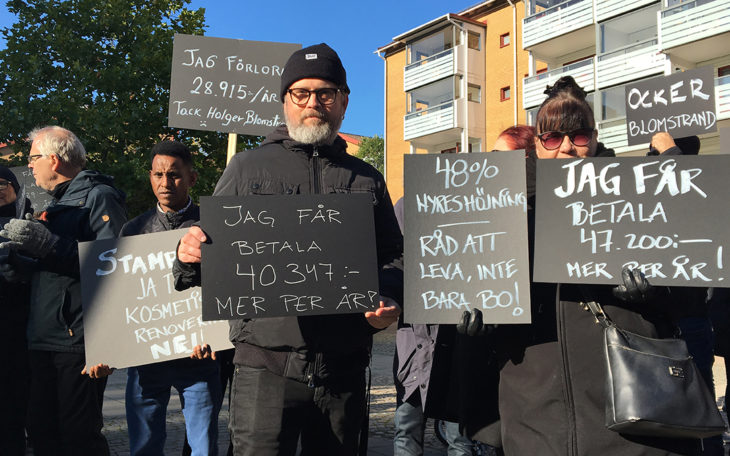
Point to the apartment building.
(605, 44)
(453, 84)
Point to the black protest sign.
(666, 216)
(466, 237)
(227, 85)
(682, 104)
(39, 198)
(288, 255)
(132, 313)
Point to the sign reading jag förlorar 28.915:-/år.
(132, 313)
(665, 216)
(682, 104)
(227, 85)
(288, 255)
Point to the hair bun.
(565, 84)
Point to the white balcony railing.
(428, 121)
(534, 86)
(435, 67)
(555, 21)
(606, 9)
(629, 63)
(722, 97)
(692, 21)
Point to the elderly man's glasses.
(551, 140)
(4, 185)
(300, 97)
(34, 157)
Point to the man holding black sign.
(305, 376)
(197, 381)
(65, 407)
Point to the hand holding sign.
(189, 249)
(385, 315)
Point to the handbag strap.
(598, 313)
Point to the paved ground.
(381, 409)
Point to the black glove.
(17, 268)
(471, 324)
(635, 288)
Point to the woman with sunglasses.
(552, 378)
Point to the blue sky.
(355, 29)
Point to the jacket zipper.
(312, 368)
(567, 384)
(316, 181)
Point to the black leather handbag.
(653, 386)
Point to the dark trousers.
(269, 414)
(65, 416)
(14, 384)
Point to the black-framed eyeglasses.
(34, 157)
(326, 97)
(4, 185)
(551, 140)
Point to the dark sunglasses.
(553, 139)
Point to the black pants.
(65, 416)
(269, 414)
(14, 379)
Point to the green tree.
(372, 150)
(101, 68)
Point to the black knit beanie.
(320, 62)
(8, 175)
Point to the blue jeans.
(410, 426)
(148, 393)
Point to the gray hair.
(61, 142)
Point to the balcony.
(559, 30)
(722, 97)
(534, 86)
(629, 63)
(696, 31)
(606, 9)
(437, 119)
(433, 68)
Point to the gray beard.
(318, 135)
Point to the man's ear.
(193, 177)
(55, 162)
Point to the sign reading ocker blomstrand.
(227, 85)
(132, 313)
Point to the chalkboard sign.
(132, 313)
(466, 243)
(666, 216)
(288, 255)
(226, 85)
(39, 198)
(682, 104)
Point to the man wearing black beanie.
(303, 378)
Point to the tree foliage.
(372, 150)
(101, 68)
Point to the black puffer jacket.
(309, 348)
(552, 383)
(90, 209)
(155, 221)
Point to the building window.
(452, 150)
(431, 45)
(723, 71)
(504, 40)
(474, 93)
(432, 95)
(504, 93)
(474, 41)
